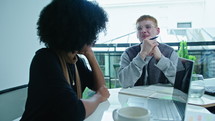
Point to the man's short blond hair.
(147, 17)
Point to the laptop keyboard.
(162, 109)
(181, 107)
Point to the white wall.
(122, 18)
(18, 34)
(19, 41)
(209, 17)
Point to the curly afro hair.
(68, 25)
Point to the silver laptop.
(169, 108)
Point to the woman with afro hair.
(58, 76)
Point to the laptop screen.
(182, 85)
(175, 96)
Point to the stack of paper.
(151, 91)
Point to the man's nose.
(143, 30)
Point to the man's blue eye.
(139, 28)
(148, 27)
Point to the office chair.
(183, 74)
(12, 102)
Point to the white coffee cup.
(131, 114)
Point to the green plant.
(183, 51)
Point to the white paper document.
(153, 91)
(137, 92)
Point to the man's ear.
(158, 30)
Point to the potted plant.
(183, 51)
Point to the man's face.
(146, 29)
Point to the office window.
(184, 25)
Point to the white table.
(116, 100)
(205, 100)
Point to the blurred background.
(190, 21)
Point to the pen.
(153, 38)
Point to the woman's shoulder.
(44, 51)
(45, 54)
